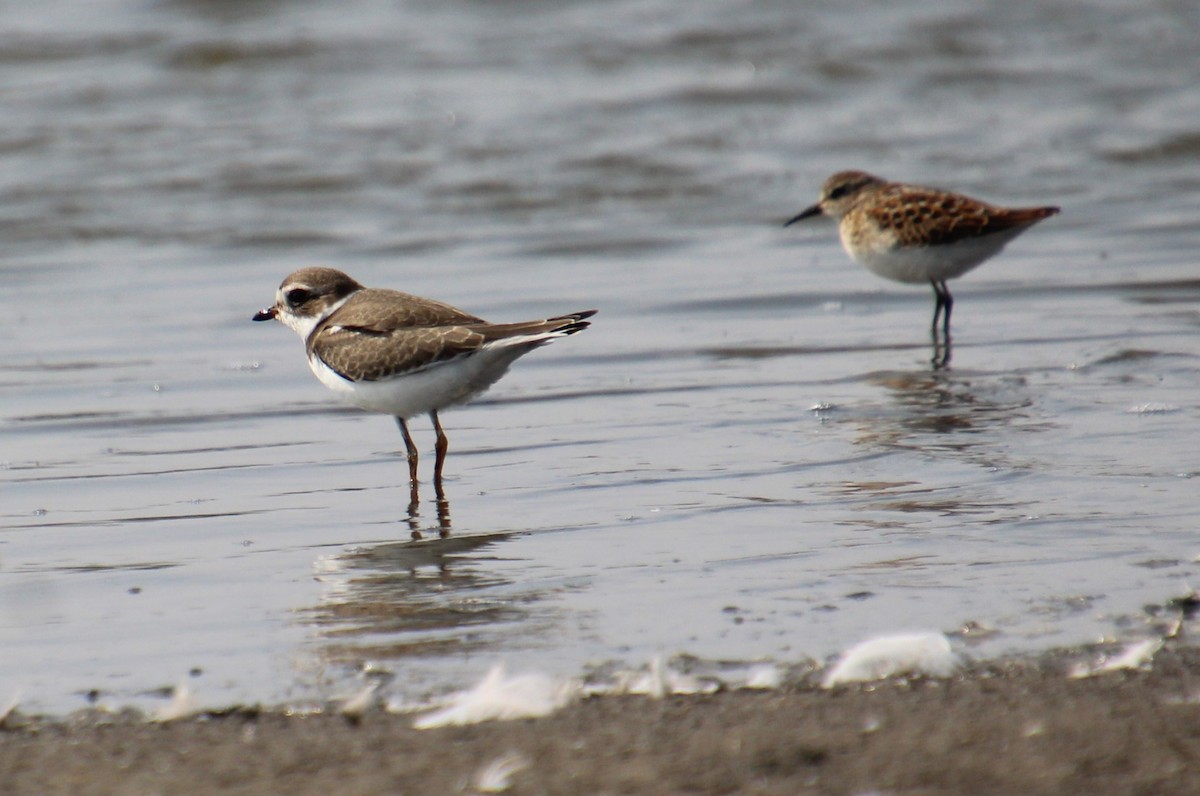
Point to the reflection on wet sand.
(413, 514)
(939, 412)
(943, 409)
(402, 599)
(911, 497)
(942, 346)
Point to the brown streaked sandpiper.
(918, 235)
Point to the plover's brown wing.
(929, 217)
(383, 311)
(364, 353)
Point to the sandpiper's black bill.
(815, 210)
(264, 315)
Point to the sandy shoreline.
(1018, 727)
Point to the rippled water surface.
(747, 457)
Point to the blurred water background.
(747, 457)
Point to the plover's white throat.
(918, 235)
(403, 355)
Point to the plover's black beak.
(265, 315)
(815, 210)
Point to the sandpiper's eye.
(297, 296)
(839, 192)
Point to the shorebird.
(403, 355)
(918, 235)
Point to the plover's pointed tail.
(535, 332)
(572, 323)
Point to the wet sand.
(1013, 728)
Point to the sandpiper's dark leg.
(943, 303)
(414, 496)
(443, 445)
(946, 318)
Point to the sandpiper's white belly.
(434, 387)
(925, 264)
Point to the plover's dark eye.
(297, 296)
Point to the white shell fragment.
(496, 776)
(182, 705)
(500, 697)
(926, 654)
(1135, 656)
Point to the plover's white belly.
(925, 264)
(417, 392)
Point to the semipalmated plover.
(387, 351)
(918, 235)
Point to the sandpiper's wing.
(926, 216)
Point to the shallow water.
(748, 456)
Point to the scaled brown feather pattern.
(932, 218)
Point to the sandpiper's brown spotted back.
(918, 235)
(873, 209)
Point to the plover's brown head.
(308, 297)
